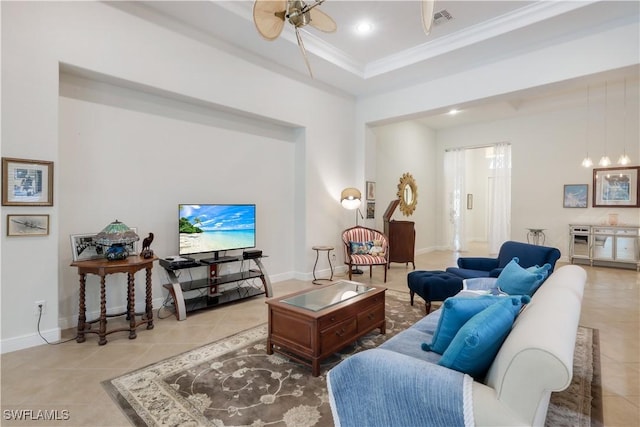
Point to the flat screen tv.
(215, 228)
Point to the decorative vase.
(117, 252)
(613, 219)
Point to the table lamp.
(116, 236)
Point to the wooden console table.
(102, 268)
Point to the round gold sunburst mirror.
(408, 194)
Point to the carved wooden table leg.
(82, 310)
(103, 312)
(131, 305)
(148, 300)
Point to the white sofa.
(535, 359)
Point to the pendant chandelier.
(624, 158)
(605, 161)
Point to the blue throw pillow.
(456, 311)
(515, 280)
(543, 271)
(476, 344)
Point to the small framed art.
(575, 196)
(27, 182)
(371, 190)
(616, 187)
(371, 210)
(83, 247)
(27, 225)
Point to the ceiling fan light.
(604, 161)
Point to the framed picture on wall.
(27, 182)
(371, 210)
(27, 225)
(616, 187)
(371, 190)
(575, 196)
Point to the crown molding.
(519, 18)
(499, 25)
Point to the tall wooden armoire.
(401, 235)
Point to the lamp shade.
(116, 233)
(350, 198)
(115, 236)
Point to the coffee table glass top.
(335, 293)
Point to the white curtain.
(454, 170)
(500, 197)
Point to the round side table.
(535, 235)
(318, 249)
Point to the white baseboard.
(30, 340)
(72, 321)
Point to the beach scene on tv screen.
(209, 228)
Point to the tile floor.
(67, 377)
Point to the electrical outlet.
(36, 307)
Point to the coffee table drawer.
(335, 318)
(337, 335)
(370, 318)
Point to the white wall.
(125, 51)
(149, 163)
(408, 147)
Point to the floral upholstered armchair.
(365, 247)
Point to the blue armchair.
(529, 255)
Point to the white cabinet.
(604, 244)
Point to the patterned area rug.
(233, 382)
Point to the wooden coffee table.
(310, 325)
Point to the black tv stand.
(219, 260)
(209, 292)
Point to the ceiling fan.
(269, 17)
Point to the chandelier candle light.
(587, 162)
(116, 236)
(624, 158)
(604, 160)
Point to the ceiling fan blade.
(427, 15)
(268, 17)
(322, 21)
(304, 52)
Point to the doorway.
(477, 204)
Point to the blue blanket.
(384, 388)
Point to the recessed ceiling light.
(364, 27)
(453, 112)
